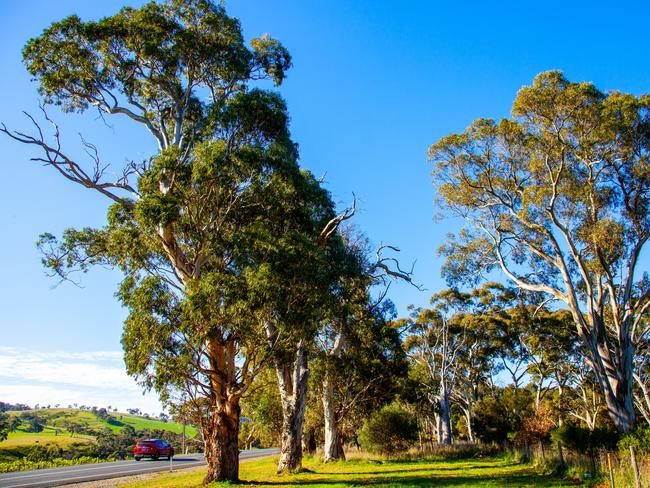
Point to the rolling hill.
(64, 427)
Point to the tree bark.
(309, 442)
(293, 395)
(614, 373)
(445, 435)
(221, 428)
(468, 420)
(333, 449)
(222, 445)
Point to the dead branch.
(332, 226)
(70, 169)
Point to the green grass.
(488, 473)
(139, 423)
(54, 433)
(48, 436)
(55, 418)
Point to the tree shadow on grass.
(503, 480)
(443, 468)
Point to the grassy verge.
(489, 473)
(24, 464)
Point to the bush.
(389, 431)
(583, 440)
(24, 464)
(639, 438)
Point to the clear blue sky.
(373, 84)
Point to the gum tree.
(356, 349)
(557, 198)
(184, 221)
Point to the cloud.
(50, 377)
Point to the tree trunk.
(221, 429)
(468, 421)
(444, 423)
(333, 450)
(293, 394)
(222, 447)
(615, 379)
(309, 442)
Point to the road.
(38, 478)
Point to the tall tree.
(436, 340)
(294, 272)
(557, 197)
(183, 221)
(354, 341)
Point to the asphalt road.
(38, 478)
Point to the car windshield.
(146, 443)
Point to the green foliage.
(558, 198)
(639, 438)
(5, 426)
(390, 431)
(584, 440)
(498, 417)
(141, 53)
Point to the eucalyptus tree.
(482, 322)
(584, 401)
(435, 343)
(184, 222)
(557, 198)
(293, 283)
(642, 373)
(354, 341)
(360, 377)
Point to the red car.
(152, 448)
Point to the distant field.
(56, 418)
(55, 433)
(142, 423)
(19, 439)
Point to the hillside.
(63, 428)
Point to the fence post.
(635, 468)
(611, 473)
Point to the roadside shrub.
(389, 431)
(25, 464)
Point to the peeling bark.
(221, 428)
(293, 395)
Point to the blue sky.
(374, 83)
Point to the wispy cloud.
(51, 377)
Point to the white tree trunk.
(445, 435)
(333, 449)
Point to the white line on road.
(80, 467)
(77, 478)
(111, 470)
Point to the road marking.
(115, 473)
(57, 480)
(81, 467)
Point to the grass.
(48, 436)
(54, 433)
(55, 418)
(488, 473)
(140, 423)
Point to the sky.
(374, 83)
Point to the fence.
(618, 469)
